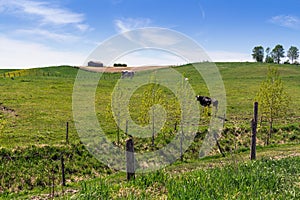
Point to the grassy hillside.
(41, 99)
(36, 104)
(39, 106)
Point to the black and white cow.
(127, 74)
(207, 101)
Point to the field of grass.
(37, 103)
(264, 179)
(275, 175)
(42, 100)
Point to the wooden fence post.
(53, 182)
(254, 127)
(153, 127)
(218, 144)
(126, 127)
(130, 168)
(181, 141)
(118, 129)
(67, 133)
(63, 170)
(224, 118)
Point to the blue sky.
(54, 32)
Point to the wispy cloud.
(44, 12)
(47, 34)
(127, 24)
(20, 54)
(288, 21)
(226, 56)
(150, 57)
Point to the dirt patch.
(57, 194)
(8, 110)
(119, 69)
(279, 157)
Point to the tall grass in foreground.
(265, 179)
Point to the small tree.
(258, 53)
(272, 98)
(293, 54)
(269, 58)
(278, 53)
(152, 95)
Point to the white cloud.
(226, 56)
(47, 34)
(155, 57)
(155, 37)
(44, 12)
(127, 24)
(150, 57)
(286, 21)
(19, 54)
(83, 27)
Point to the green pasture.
(41, 100)
(36, 104)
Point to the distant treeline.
(120, 65)
(275, 55)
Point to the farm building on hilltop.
(95, 64)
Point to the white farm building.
(95, 64)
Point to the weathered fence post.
(63, 169)
(118, 129)
(67, 133)
(153, 127)
(53, 182)
(49, 179)
(218, 144)
(130, 168)
(224, 118)
(181, 141)
(254, 127)
(126, 128)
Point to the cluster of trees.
(258, 53)
(120, 65)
